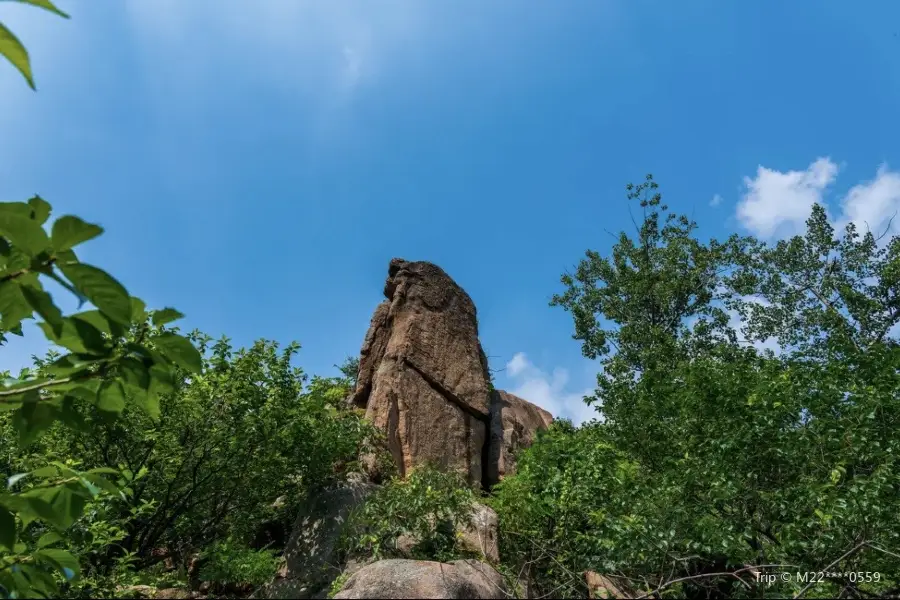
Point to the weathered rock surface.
(425, 579)
(311, 554)
(513, 427)
(481, 535)
(423, 376)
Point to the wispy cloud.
(325, 48)
(550, 391)
(716, 200)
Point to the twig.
(846, 554)
(709, 575)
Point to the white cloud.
(872, 205)
(517, 365)
(777, 203)
(549, 391)
(716, 200)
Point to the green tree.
(729, 456)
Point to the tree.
(717, 455)
(223, 466)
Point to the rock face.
(423, 379)
(425, 579)
(514, 423)
(311, 552)
(481, 535)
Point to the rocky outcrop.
(423, 379)
(425, 579)
(514, 424)
(423, 376)
(311, 554)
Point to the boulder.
(513, 427)
(423, 376)
(311, 554)
(481, 535)
(400, 578)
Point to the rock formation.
(311, 555)
(514, 424)
(399, 578)
(423, 379)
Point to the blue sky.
(257, 164)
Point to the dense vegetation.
(137, 455)
(717, 456)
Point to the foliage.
(232, 453)
(350, 370)
(423, 511)
(723, 449)
(338, 584)
(13, 50)
(104, 371)
(228, 562)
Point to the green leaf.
(102, 483)
(32, 419)
(51, 537)
(180, 351)
(13, 305)
(134, 373)
(45, 472)
(138, 310)
(64, 561)
(23, 232)
(42, 303)
(40, 209)
(102, 471)
(69, 231)
(57, 505)
(166, 315)
(46, 5)
(150, 404)
(36, 504)
(78, 336)
(15, 52)
(7, 528)
(70, 364)
(98, 320)
(101, 289)
(111, 397)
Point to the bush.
(229, 563)
(423, 511)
